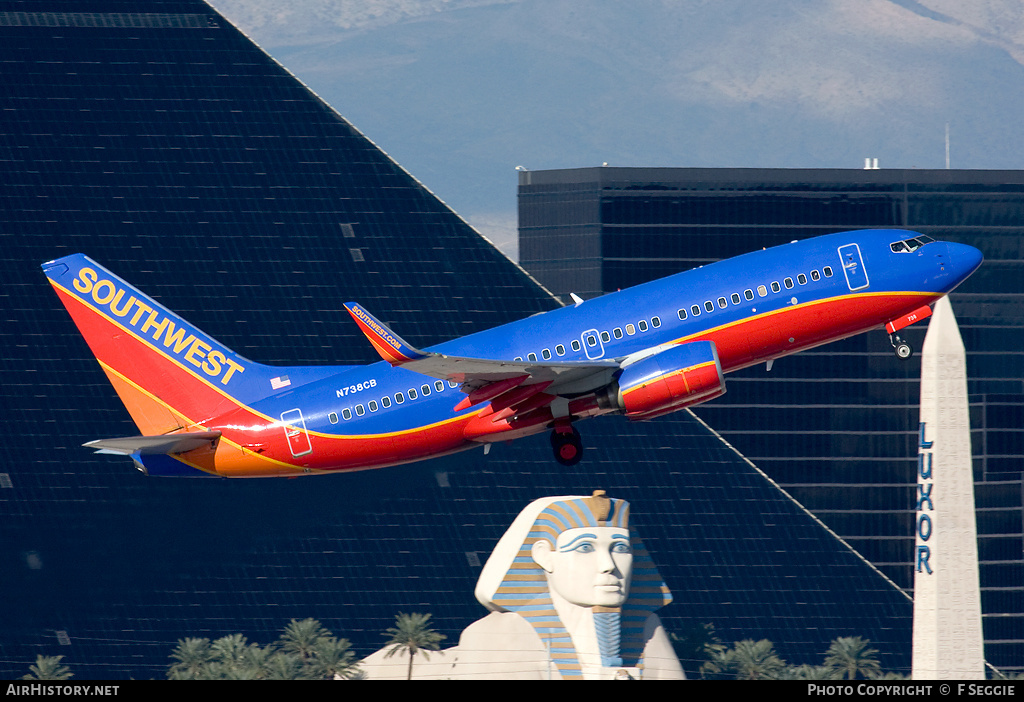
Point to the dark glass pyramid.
(156, 138)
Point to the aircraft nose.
(965, 259)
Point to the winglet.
(391, 347)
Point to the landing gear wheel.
(568, 448)
(902, 348)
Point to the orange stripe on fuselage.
(754, 339)
(164, 381)
(194, 399)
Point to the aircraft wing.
(475, 373)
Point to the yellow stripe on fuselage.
(790, 308)
(228, 396)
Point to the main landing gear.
(567, 444)
(902, 348)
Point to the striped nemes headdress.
(511, 580)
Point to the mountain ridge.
(460, 92)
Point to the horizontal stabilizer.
(163, 444)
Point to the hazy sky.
(460, 92)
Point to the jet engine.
(678, 377)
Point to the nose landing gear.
(902, 348)
(566, 444)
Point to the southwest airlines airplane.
(203, 410)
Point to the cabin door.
(853, 267)
(592, 345)
(295, 432)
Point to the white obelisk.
(948, 641)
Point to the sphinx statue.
(572, 594)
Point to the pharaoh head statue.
(575, 552)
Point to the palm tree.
(747, 660)
(334, 659)
(282, 666)
(412, 634)
(320, 653)
(696, 646)
(810, 672)
(48, 668)
(301, 638)
(192, 657)
(850, 657)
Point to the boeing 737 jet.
(203, 410)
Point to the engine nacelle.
(678, 377)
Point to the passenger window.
(452, 384)
(815, 275)
(560, 350)
(802, 279)
(399, 397)
(735, 298)
(545, 354)
(412, 394)
(617, 333)
(425, 390)
(385, 401)
(722, 303)
(681, 313)
(655, 322)
(642, 325)
(788, 282)
(439, 385)
(591, 340)
(775, 286)
(346, 413)
(762, 290)
(605, 337)
(531, 356)
(630, 329)
(696, 310)
(827, 270)
(360, 410)
(709, 306)
(518, 358)
(333, 417)
(372, 405)
(575, 345)
(749, 294)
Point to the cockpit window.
(909, 245)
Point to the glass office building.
(836, 427)
(154, 137)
